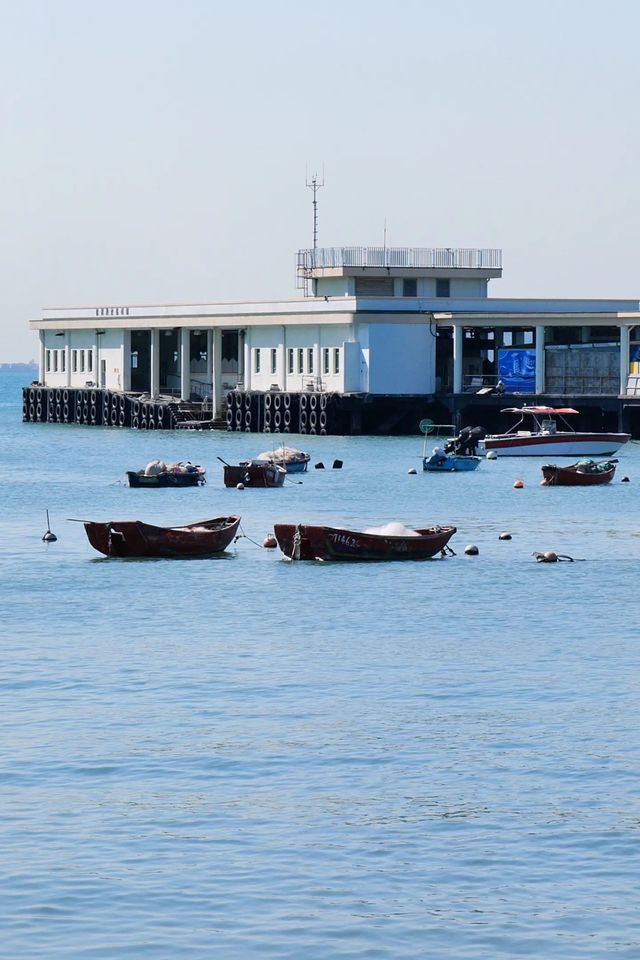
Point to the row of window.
(300, 354)
(81, 360)
(385, 287)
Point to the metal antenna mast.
(314, 185)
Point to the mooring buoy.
(49, 537)
(518, 484)
(624, 480)
(491, 455)
(412, 471)
(269, 542)
(319, 466)
(337, 465)
(239, 486)
(471, 550)
(504, 536)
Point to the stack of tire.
(280, 412)
(235, 410)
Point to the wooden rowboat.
(585, 473)
(175, 475)
(254, 473)
(133, 538)
(306, 542)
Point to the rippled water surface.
(245, 758)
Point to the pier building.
(376, 338)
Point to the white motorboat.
(544, 432)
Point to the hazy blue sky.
(155, 151)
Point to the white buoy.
(504, 536)
(471, 550)
(491, 455)
(239, 486)
(412, 471)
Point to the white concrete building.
(396, 321)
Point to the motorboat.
(160, 474)
(442, 462)
(544, 431)
(584, 473)
(391, 542)
(293, 461)
(133, 538)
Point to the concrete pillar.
(41, 359)
(67, 357)
(124, 375)
(317, 375)
(185, 365)
(624, 358)
(154, 389)
(247, 359)
(457, 357)
(540, 374)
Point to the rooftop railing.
(416, 257)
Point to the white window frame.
(336, 359)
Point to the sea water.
(243, 757)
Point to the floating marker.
(320, 466)
(471, 550)
(49, 537)
(337, 465)
(519, 484)
(491, 455)
(239, 486)
(412, 471)
(504, 536)
(269, 542)
(624, 480)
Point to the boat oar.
(223, 461)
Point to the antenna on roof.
(314, 185)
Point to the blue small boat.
(442, 462)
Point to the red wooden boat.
(254, 473)
(306, 542)
(585, 473)
(133, 538)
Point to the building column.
(185, 365)
(316, 359)
(624, 358)
(124, 374)
(247, 359)
(457, 357)
(540, 355)
(154, 388)
(67, 357)
(216, 368)
(282, 359)
(41, 359)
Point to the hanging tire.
(135, 422)
(38, 411)
(229, 418)
(267, 401)
(323, 401)
(313, 421)
(160, 417)
(144, 409)
(32, 396)
(58, 396)
(323, 419)
(25, 411)
(93, 413)
(122, 402)
(286, 401)
(247, 401)
(32, 412)
(277, 420)
(39, 396)
(143, 423)
(136, 408)
(238, 419)
(65, 413)
(93, 397)
(65, 396)
(313, 401)
(277, 401)
(58, 412)
(287, 418)
(303, 401)
(85, 412)
(303, 421)
(151, 424)
(121, 418)
(247, 420)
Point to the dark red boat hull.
(132, 538)
(305, 542)
(254, 475)
(571, 477)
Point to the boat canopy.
(561, 411)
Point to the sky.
(156, 152)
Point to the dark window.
(443, 288)
(410, 288)
(374, 286)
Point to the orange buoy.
(270, 542)
(519, 484)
